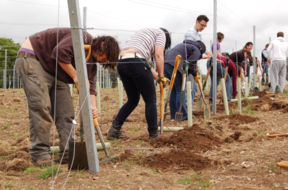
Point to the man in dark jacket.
(191, 52)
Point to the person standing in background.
(264, 64)
(278, 53)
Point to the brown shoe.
(42, 162)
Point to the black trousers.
(137, 79)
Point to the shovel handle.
(95, 122)
(206, 78)
(176, 65)
(197, 79)
(88, 48)
(161, 100)
(273, 135)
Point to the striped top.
(145, 40)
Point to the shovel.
(179, 114)
(96, 125)
(206, 106)
(177, 62)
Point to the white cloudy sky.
(21, 18)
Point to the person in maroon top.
(46, 65)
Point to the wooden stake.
(224, 96)
(120, 92)
(239, 94)
(189, 104)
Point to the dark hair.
(267, 45)
(280, 34)
(109, 46)
(168, 38)
(220, 35)
(226, 54)
(202, 17)
(248, 44)
(202, 47)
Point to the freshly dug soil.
(192, 138)
(177, 159)
(238, 119)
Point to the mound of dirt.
(21, 155)
(177, 159)
(106, 98)
(280, 105)
(5, 148)
(235, 136)
(18, 164)
(238, 119)
(192, 138)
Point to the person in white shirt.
(277, 53)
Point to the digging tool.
(207, 75)
(79, 159)
(95, 122)
(179, 114)
(273, 135)
(177, 63)
(206, 78)
(161, 107)
(206, 106)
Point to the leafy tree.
(12, 49)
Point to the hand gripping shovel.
(206, 106)
(179, 114)
(177, 62)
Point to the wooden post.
(120, 92)
(239, 94)
(246, 87)
(189, 104)
(86, 112)
(224, 96)
(71, 89)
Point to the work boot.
(153, 134)
(115, 131)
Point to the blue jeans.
(175, 95)
(265, 72)
(228, 84)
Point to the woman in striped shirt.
(137, 76)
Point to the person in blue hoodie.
(191, 52)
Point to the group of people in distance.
(46, 66)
